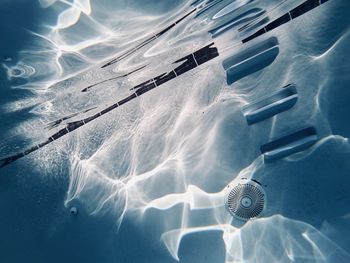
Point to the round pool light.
(73, 210)
(246, 200)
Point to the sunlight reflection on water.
(182, 144)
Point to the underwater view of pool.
(195, 131)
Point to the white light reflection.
(177, 148)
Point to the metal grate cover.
(246, 201)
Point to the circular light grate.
(246, 201)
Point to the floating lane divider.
(251, 60)
(271, 105)
(289, 144)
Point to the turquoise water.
(147, 181)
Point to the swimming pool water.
(132, 121)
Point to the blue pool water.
(221, 95)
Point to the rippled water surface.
(148, 180)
